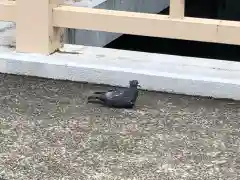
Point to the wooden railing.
(40, 24)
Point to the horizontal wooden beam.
(208, 30)
(7, 10)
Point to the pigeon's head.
(134, 83)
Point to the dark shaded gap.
(214, 9)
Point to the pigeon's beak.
(139, 85)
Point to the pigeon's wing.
(104, 92)
(115, 94)
(119, 95)
(113, 89)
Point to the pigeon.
(117, 98)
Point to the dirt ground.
(49, 132)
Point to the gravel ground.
(47, 131)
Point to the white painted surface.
(175, 74)
(84, 3)
(7, 33)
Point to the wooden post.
(177, 8)
(34, 28)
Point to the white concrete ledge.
(175, 74)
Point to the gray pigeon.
(118, 97)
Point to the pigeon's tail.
(95, 99)
(99, 92)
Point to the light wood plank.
(177, 8)
(196, 29)
(7, 10)
(35, 33)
